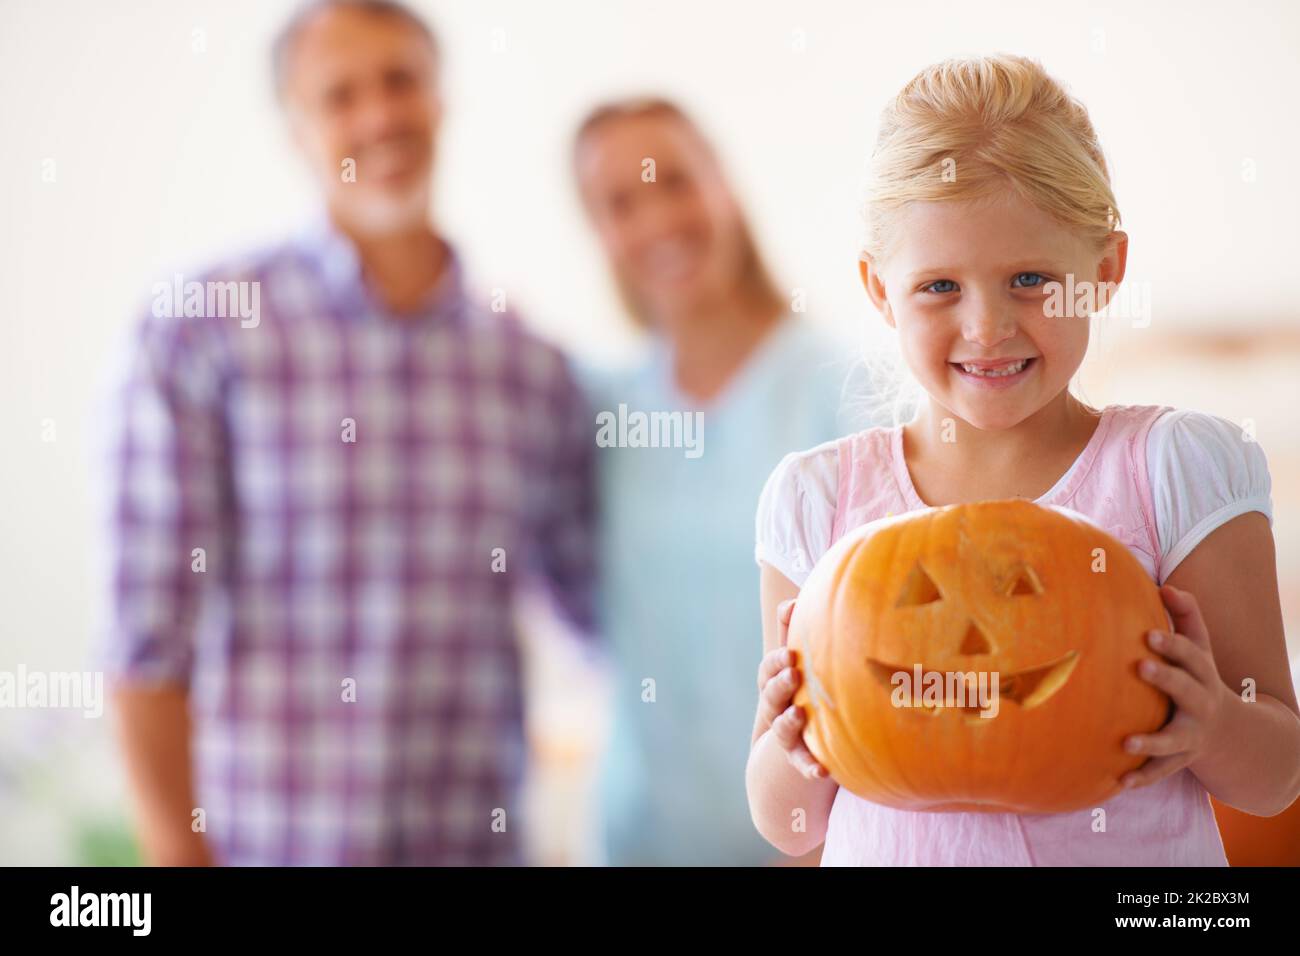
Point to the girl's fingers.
(787, 727)
(788, 730)
(806, 763)
(1188, 693)
(777, 694)
(1182, 650)
(783, 612)
(1186, 615)
(1175, 738)
(1153, 770)
(772, 664)
(768, 711)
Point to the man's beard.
(387, 213)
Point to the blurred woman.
(679, 596)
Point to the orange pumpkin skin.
(1000, 586)
(1259, 841)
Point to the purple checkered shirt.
(335, 569)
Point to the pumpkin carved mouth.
(1028, 687)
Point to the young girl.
(988, 187)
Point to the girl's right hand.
(778, 679)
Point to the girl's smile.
(994, 373)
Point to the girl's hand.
(1192, 681)
(777, 681)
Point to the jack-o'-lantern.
(978, 657)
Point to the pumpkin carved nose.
(974, 642)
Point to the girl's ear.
(875, 286)
(1116, 259)
(1110, 270)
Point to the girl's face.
(966, 286)
(676, 240)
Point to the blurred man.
(321, 510)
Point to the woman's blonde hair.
(966, 127)
(753, 273)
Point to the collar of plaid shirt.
(338, 265)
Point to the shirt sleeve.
(566, 528)
(1204, 472)
(163, 456)
(795, 512)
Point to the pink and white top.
(1159, 480)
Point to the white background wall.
(167, 150)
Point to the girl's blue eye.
(1035, 280)
(948, 286)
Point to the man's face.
(361, 93)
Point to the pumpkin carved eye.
(919, 588)
(1024, 581)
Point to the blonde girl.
(987, 190)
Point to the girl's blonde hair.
(963, 129)
(966, 127)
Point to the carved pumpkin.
(1038, 599)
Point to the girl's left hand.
(1192, 682)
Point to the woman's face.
(967, 287)
(674, 240)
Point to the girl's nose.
(988, 327)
